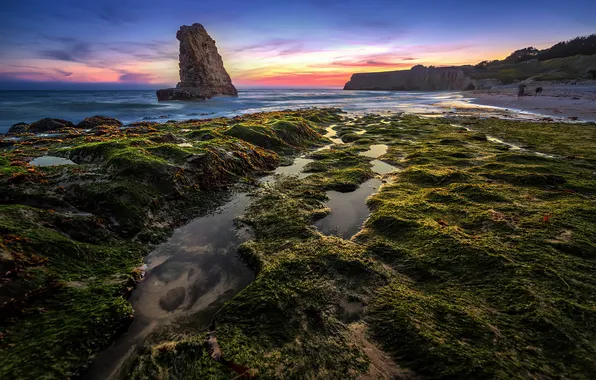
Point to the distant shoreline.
(559, 101)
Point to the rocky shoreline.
(474, 249)
(73, 235)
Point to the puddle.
(195, 270)
(375, 151)
(297, 167)
(348, 210)
(498, 141)
(50, 134)
(185, 145)
(50, 161)
(545, 155)
(381, 167)
(331, 135)
(190, 276)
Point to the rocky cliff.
(418, 78)
(202, 73)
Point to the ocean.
(130, 106)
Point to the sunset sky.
(313, 43)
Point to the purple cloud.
(135, 77)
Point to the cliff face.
(418, 78)
(202, 73)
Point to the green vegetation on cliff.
(574, 67)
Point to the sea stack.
(202, 73)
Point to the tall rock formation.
(418, 78)
(202, 73)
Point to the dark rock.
(95, 121)
(49, 124)
(479, 137)
(202, 73)
(18, 128)
(166, 138)
(143, 124)
(103, 130)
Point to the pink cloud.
(371, 63)
(300, 79)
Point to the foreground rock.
(18, 128)
(49, 124)
(95, 121)
(466, 268)
(418, 78)
(202, 73)
(73, 236)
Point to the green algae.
(339, 168)
(573, 140)
(60, 302)
(297, 328)
(480, 243)
(285, 135)
(476, 262)
(71, 237)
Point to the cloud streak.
(74, 51)
(134, 40)
(136, 78)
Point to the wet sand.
(549, 106)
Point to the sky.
(131, 44)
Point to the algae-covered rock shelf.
(477, 259)
(73, 235)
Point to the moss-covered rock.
(71, 236)
(96, 121)
(49, 124)
(476, 262)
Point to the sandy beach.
(560, 102)
(555, 107)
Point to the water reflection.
(197, 269)
(375, 151)
(50, 161)
(348, 210)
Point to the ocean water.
(130, 106)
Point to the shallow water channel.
(511, 146)
(197, 269)
(50, 161)
(349, 210)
